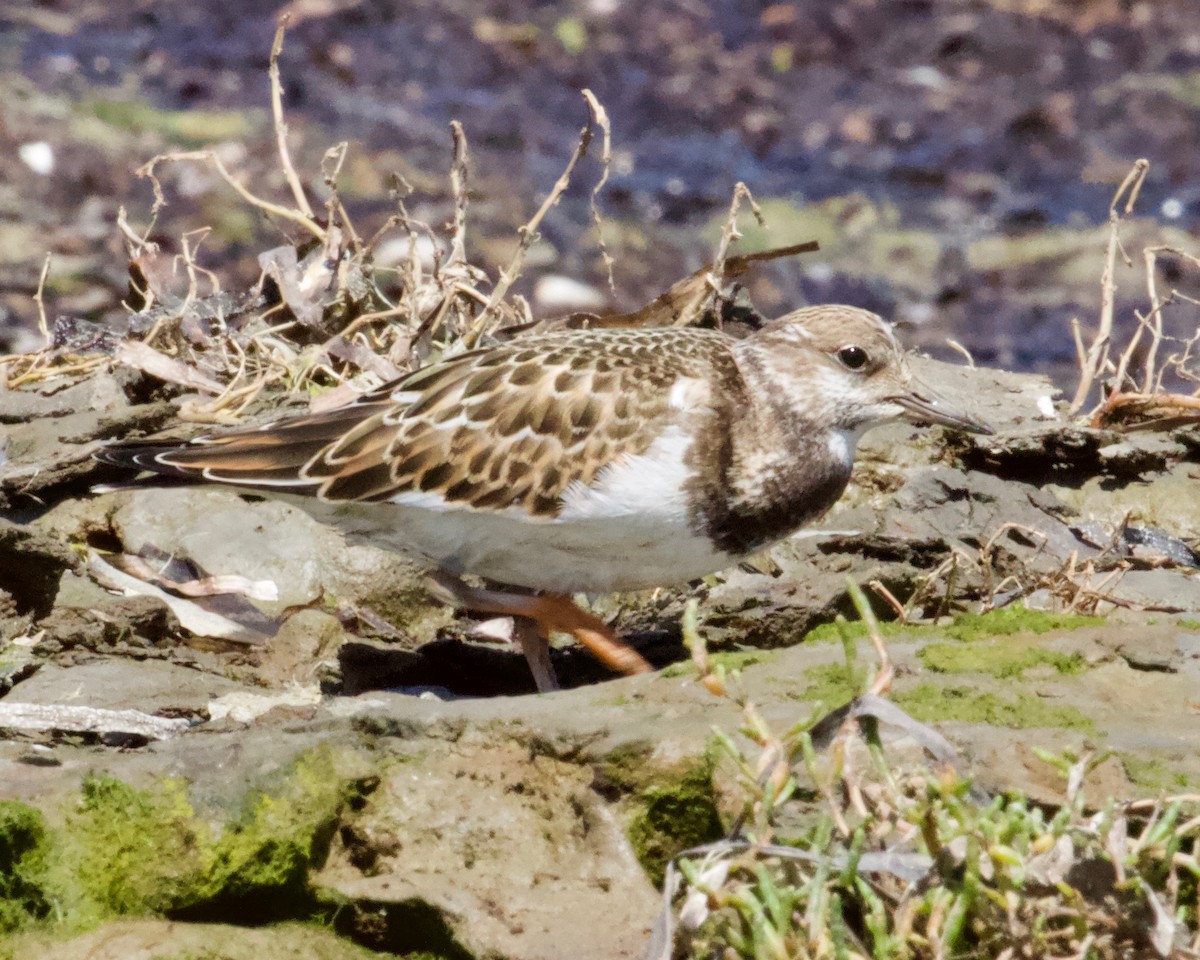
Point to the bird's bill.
(925, 406)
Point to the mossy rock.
(23, 847)
(123, 851)
(932, 703)
(833, 684)
(729, 660)
(1001, 660)
(669, 809)
(965, 627)
(1154, 773)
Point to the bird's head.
(843, 367)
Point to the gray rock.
(151, 686)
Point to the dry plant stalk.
(1137, 402)
(1096, 357)
(528, 232)
(692, 307)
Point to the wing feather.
(511, 426)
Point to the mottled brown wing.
(506, 426)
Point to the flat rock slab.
(512, 848)
(155, 939)
(150, 686)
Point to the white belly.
(595, 555)
(627, 530)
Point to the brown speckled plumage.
(507, 426)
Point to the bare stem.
(40, 300)
(459, 178)
(1097, 355)
(602, 122)
(691, 308)
(281, 130)
(528, 234)
(306, 222)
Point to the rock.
(59, 397)
(152, 686)
(47, 458)
(1171, 591)
(1006, 400)
(31, 565)
(150, 939)
(303, 649)
(223, 532)
(507, 847)
(114, 625)
(1167, 500)
(555, 294)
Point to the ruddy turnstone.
(584, 461)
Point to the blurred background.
(955, 158)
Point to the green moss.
(1188, 624)
(1015, 618)
(22, 866)
(857, 630)
(1153, 773)
(146, 852)
(1001, 660)
(833, 684)
(729, 659)
(127, 851)
(186, 127)
(670, 810)
(932, 703)
(572, 34)
(267, 853)
(967, 627)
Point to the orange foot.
(548, 612)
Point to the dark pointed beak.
(924, 406)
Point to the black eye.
(853, 358)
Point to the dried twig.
(602, 122)
(209, 156)
(40, 299)
(281, 129)
(954, 344)
(528, 234)
(1097, 354)
(331, 169)
(459, 178)
(691, 309)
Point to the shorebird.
(583, 461)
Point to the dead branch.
(1097, 354)
(602, 122)
(528, 234)
(281, 129)
(459, 177)
(210, 156)
(715, 277)
(39, 297)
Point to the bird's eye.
(852, 358)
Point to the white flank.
(687, 393)
(423, 500)
(648, 485)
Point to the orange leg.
(549, 612)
